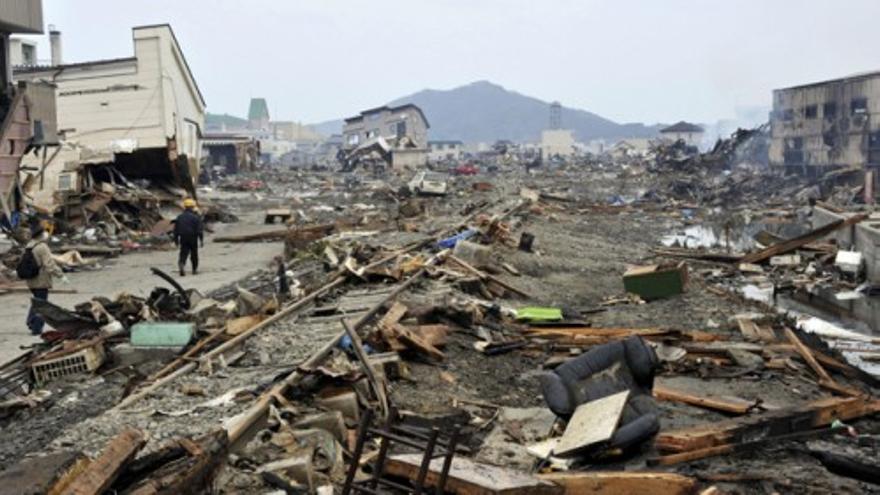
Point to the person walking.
(189, 232)
(37, 268)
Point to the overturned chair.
(604, 370)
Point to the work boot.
(182, 272)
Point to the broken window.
(858, 106)
(830, 139)
(829, 110)
(874, 148)
(794, 152)
(788, 115)
(353, 139)
(811, 111)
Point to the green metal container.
(656, 282)
(161, 334)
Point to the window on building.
(858, 106)
(874, 148)
(353, 139)
(794, 151)
(788, 115)
(65, 182)
(830, 139)
(811, 111)
(374, 116)
(829, 110)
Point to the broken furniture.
(431, 443)
(656, 281)
(605, 370)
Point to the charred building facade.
(826, 125)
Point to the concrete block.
(331, 421)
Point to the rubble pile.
(524, 337)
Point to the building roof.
(850, 78)
(188, 72)
(682, 126)
(258, 109)
(384, 108)
(30, 69)
(447, 141)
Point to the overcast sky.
(628, 60)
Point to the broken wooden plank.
(486, 276)
(271, 235)
(416, 342)
(38, 474)
(593, 423)
(622, 483)
(782, 421)
(378, 386)
(731, 405)
(792, 244)
(467, 477)
(754, 332)
(805, 353)
(698, 454)
(100, 474)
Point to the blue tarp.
(450, 242)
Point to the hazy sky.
(647, 60)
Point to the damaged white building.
(143, 113)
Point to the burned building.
(826, 125)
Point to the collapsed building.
(27, 110)
(141, 116)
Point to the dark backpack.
(28, 267)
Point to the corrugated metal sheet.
(21, 16)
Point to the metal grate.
(82, 361)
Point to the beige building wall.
(132, 103)
(557, 142)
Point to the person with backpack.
(37, 268)
(189, 231)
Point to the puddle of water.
(848, 324)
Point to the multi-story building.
(404, 129)
(404, 121)
(825, 125)
(444, 150)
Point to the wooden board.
(780, 422)
(592, 423)
(754, 332)
(467, 477)
(623, 483)
(797, 242)
(101, 473)
(731, 405)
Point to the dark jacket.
(188, 228)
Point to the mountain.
(485, 112)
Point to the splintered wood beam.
(805, 353)
(730, 405)
(622, 483)
(792, 244)
(100, 474)
(779, 422)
